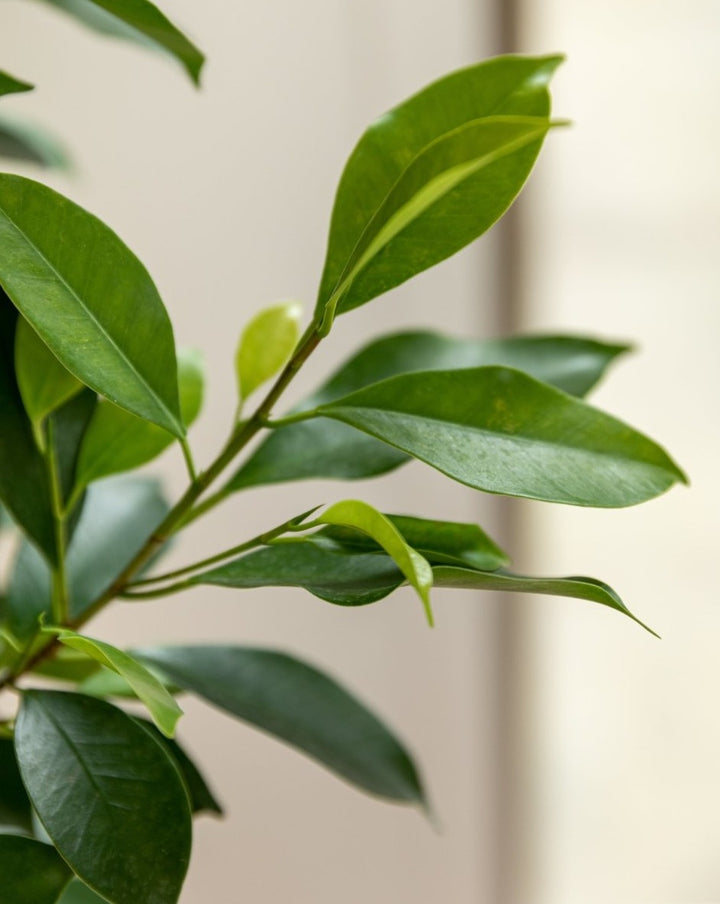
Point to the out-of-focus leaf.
(30, 143)
(265, 345)
(11, 85)
(32, 872)
(78, 893)
(15, 809)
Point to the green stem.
(59, 574)
(274, 423)
(157, 592)
(189, 463)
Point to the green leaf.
(379, 175)
(331, 449)
(160, 704)
(15, 810)
(117, 441)
(581, 588)
(118, 517)
(363, 517)
(300, 705)
(328, 570)
(11, 85)
(43, 382)
(32, 872)
(440, 542)
(202, 800)
(137, 19)
(67, 665)
(24, 487)
(89, 299)
(31, 143)
(81, 757)
(77, 893)
(265, 345)
(501, 431)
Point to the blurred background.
(571, 758)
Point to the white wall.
(226, 195)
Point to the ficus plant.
(96, 801)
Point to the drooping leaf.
(118, 517)
(43, 382)
(138, 20)
(89, 299)
(117, 441)
(30, 143)
(300, 705)
(390, 153)
(32, 872)
(24, 487)
(440, 542)
(332, 449)
(329, 570)
(202, 800)
(152, 692)
(11, 85)
(265, 345)
(77, 893)
(82, 757)
(362, 517)
(15, 810)
(502, 431)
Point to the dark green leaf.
(136, 19)
(15, 810)
(89, 299)
(331, 449)
(202, 799)
(328, 570)
(501, 431)
(300, 705)
(440, 542)
(24, 487)
(11, 85)
(118, 517)
(506, 86)
(68, 425)
(84, 759)
(31, 144)
(32, 872)
(77, 893)
(118, 441)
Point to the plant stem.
(187, 455)
(59, 574)
(157, 592)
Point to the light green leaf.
(501, 431)
(265, 345)
(300, 705)
(89, 299)
(118, 517)
(160, 704)
(43, 382)
(83, 757)
(77, 893)
(68, 665)
(391, 152)
(138, 20)
(15, 810)
(30, 143)
(32, 872)
(325, 448)
(11, 85)
(363, 517)
(117, 441)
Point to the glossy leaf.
(117, 441)
(328, 570)
(15, 809)
(24, 487)
(30, 143)
(137, 19)
(43, 382)
(265, 345)
(119, 515)
(440, 542)
(160, 704)
(505, 86)
(77, 893)
(501, 431)
(89, 299)
(32, 872)
(11, 85)
(82, 757)
(360, 516)
(327, 448)
(300, 705)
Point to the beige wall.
(226, 196)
